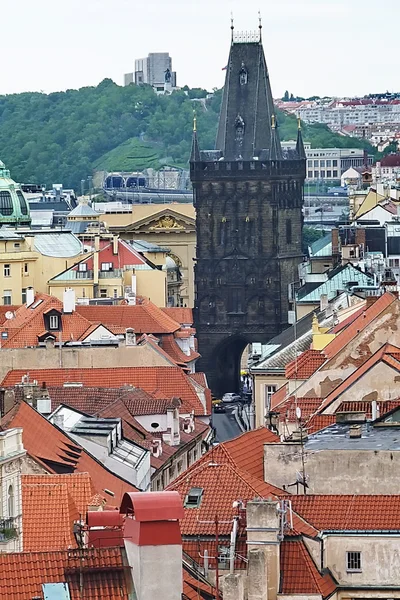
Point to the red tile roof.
(184, 316)
(22, 574)
(308, 406)
(318, 422)
(349, 512)
(364, 319)
(80, 486)
(171, 347)
(194, 589)
(48, 516)
(29, 323)
(305, 365)
(56, 452)
(143, 318)
(384, 406)
(162, 382)
(5, 308)
(387, 353)
(299, 574)
(346, 322)
(279, 396)
(200, 378)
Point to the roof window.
(193, 498)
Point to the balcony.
(8, 529)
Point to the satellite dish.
(298, 412)
(9, 315)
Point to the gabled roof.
(287, 409)
(349, 512)
(80, 486)
(162, 382)
(305, 365)
(22, 574)
(299, 574)
(387, 353)
(28, 324)
(171, 347)
(48, 516)
(58, 453)
(322, 247)
(83, 210)
(184, 316)
(143, 318)
(359, 324)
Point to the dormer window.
(53, 321)
(193, 498)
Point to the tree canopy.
(63, 136)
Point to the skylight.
(193, 498)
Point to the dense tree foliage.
(61, 137)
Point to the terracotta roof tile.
(171, 347)
(279, 396)
(384, 406)
(144, 318)
(195, 589)
(200, 378)
(387, 353)
(299, 574)
(318, 422)
(4, 308)
(184, 316)
(346, 322)
(349, 512)
(308, 406)
(48, 515)
(164, 382)
(305, 365)
(54, 450)
(247, 450)
(80, 486)
(22, 574)
(29, 324)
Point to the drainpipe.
(233, 545)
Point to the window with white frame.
(353, 562)
(82, 267)
(7, 270)
(269, 391)
(106, 266)
(53, 321)
(7, 297)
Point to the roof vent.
(193, 498)
(355, 432)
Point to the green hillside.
(64, 136)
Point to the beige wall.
(350, 471)
(380, 560)
(75, 358)
(181, 242)
(260, 381)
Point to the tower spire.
(299, 144)
(195, 151)
(260, 24)
(232, 27)
(276, 149)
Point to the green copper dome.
(14, 209)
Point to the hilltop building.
(155, 70)
(248, 196)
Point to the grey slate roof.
(322, 247)
(336, 437)
(83, 210)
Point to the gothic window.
(288, 231)
(236, 303)
(222, 230)
(243, 75)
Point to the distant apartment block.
(155, 70)
(327, 164)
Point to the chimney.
(153, 543)
(233, 587)
(355, 432)
(49, 343)
(132, 297)
(355, 416)
(69, 301)
(263, 539)
(323, 302)
(173, 424)
(96, 259)
(7, 401)
(130, 337)
(156, 448)
(30, 296)
(115, 245)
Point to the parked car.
(219, 408)
(216, 401)
(231, 397)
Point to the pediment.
(166, 219)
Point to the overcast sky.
(324, 47)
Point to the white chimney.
(156, 448)
(69, 301)
(132, 298)
(30, 296)
(374, 410)
(323, 302)
(130, 337)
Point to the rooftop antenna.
(232, 27)
(259, 24)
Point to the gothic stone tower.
(248, 196)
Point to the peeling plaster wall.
(350, 471)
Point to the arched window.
(10, 501)
(6, 205)
(22, 203)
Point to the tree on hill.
(63, 136)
